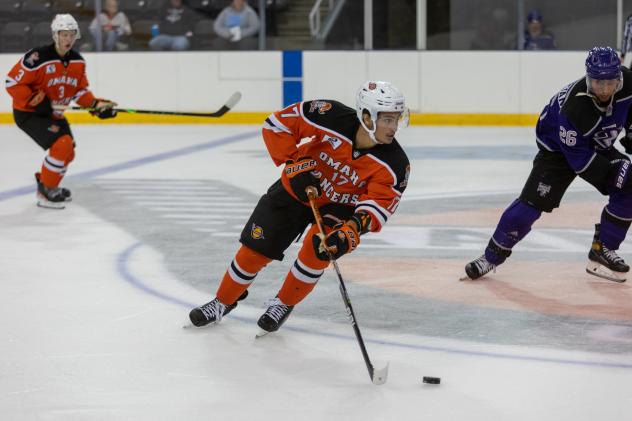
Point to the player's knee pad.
(63, 149)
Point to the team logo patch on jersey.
(53, 128)
(543, 189)
(32, 58)
(256, 232)
(404, 183)
(321, 106)
(50, 69)
(335, 142)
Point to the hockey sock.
(304, 274)
(613, 229)
(515, 223)
(54, 165)
(240, 274)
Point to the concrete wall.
(433, 82)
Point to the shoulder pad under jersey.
(580, 110)
(39, 55)
(395, 158)
(332, 115)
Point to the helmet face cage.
(64, 22)
(377, 96)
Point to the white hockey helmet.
(64, 22)
(378, 96)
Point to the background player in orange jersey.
(45, 79)
(360, 171)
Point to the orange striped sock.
(240, 274)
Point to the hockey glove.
(103, 108)
(300, 175)
(342, 240)
(626, 141)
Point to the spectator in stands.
(491, 33)
(236, 23)
(535, 37)
(114, 26)
(175, 29)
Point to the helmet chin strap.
(370, 132)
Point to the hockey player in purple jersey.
(575, 136)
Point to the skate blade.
(190, 325)
(50, 205)
(380, 376)
(601, 271)
(261, 333)
(465, 278)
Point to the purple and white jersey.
(575, 124)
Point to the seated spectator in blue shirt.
(535, 37)
(237, 22)
(175, 29)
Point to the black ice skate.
(51, 197)
(274, 317)
(605, 263)
(478, 268)
(213, 311)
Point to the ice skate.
(213, 311)
(51, 197)
(274, 317)
(605, 263)
(477, 268)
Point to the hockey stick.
(377, 376)
(232, 101)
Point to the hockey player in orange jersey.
(360, 171)
(45, 79)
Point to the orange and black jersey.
(42, 69)
(371, 180)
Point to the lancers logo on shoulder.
(53, 128)
(335, 142)
(50, 69)
(321, 106)
(32, 58)
(256, 232)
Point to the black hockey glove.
(300, 175)
(342, 240)
(626, 141)
(103, 108)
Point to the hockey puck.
(432, 380)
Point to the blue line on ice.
(150, 159)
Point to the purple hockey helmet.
(603, 63)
